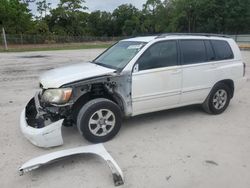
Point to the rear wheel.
(218, 99)
(99, 120)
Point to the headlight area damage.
(42, 119)
(41, 126)
(97, 149)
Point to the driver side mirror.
(136, 68)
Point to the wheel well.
(230, 84)
(97, 91)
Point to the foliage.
(15, 16)
(99, 23)
(71, 18)
(68, 18)
(217, 16)
(125, 19)
(42, 8)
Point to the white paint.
(46, 137)
(60, 76)
(141, 39)
(97, 149)
(161, 88)
(155, 89)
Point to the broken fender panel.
(97, 149)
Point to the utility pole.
(4, 40)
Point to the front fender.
(97, 149)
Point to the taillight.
(244, 69)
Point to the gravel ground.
(183, 147)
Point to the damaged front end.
(41, 126)
(42, 119)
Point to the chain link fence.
(51, 41)
(36, 41)
(241, 38)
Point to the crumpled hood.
(55, 78)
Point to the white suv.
(134, 76)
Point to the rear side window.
(210, 51)
(222, 50)
(193, 51)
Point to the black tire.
(211, 106)
(89, 111)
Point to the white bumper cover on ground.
(97, 149)
(48, 136)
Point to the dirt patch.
(34, 56)
(148, 148)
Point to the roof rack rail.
(163, 35)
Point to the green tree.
(210, 16)
(68, 18)
(233, 16)
(72, 5)
(126, 20)
(185, 14)
(155, 16)
(100, 23)
(40, 27)
(15, 17)
(132, 27)
(42, 8)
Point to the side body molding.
(97, 149)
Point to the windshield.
(118, 56)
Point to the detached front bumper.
(47, 136)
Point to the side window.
(222, 50)
(161, 54)
(193, 51)
(210, 51)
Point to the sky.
(110, 5)
(104, 5)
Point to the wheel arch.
(206, 104)
(229, 83)
(83, 99)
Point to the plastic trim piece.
(97, 149)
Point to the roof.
(193, 34)
(178, 36)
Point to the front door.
(156, 84)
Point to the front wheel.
(218, 99)
(99, 120)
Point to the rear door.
(198, 70)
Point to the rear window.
(193, 51)
(222, 50)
